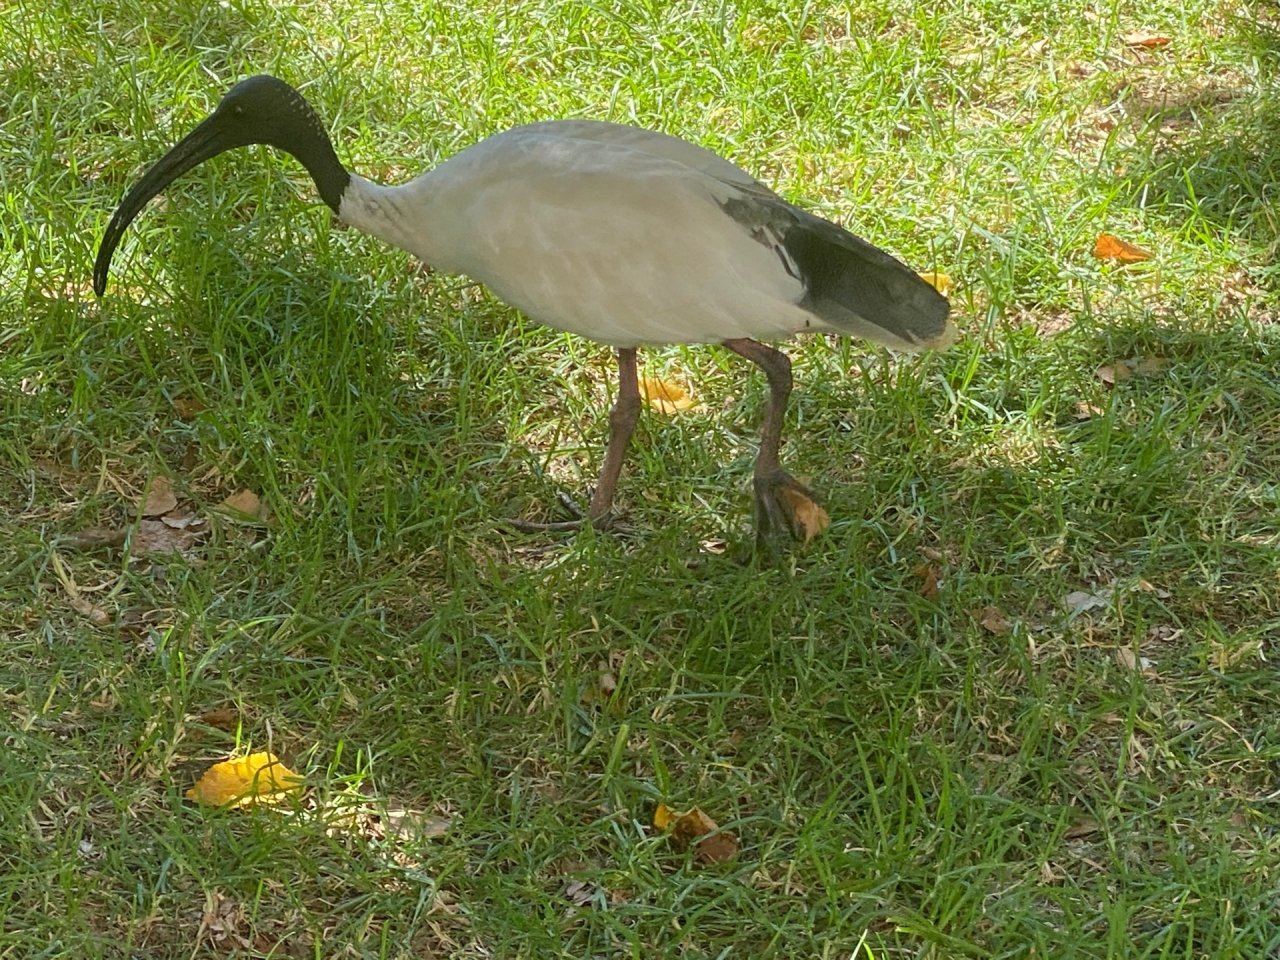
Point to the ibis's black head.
(260, 109)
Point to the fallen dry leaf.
(941, 282)
(810, 518)
(156, 537)
(90, 611)
(160, 498)
(1113, 373)
(930, 578)
(223, 718)
(1084, 827)
(257, 778)
(245, 503)
(399, 822)
(187, 407)
(710, 846)
(1142, 39)
(1086, 410)
(993, 620)
(1131, 661)
(665, 396)
(1110, 247)
(1079, 601)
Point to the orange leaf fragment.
(696, 827)
(810, 518)
(665, 396)
(930, 579)
(1111, 247)
(941, 282)
(257, 778)
(1143, 39)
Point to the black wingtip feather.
(854, 285)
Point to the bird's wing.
(851, 285)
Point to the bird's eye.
(237, 109)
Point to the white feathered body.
(612, 232)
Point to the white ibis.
(621, 235)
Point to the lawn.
(1019, 700)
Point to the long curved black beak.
(213, 136)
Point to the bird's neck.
(331, 177)
(395, 214)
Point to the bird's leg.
(622, 423)
(785, 509)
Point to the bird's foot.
(786, 513)
(605, 522)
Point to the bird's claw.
(786, 513)
(606, 522)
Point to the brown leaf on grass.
(155, 537)
(930, 579)
(1131, 661)
(1143, 39)
(711, 844)
(257, 778)
(1110, 247)
(245, 504)
(160, 498)
(1122, 370)
(665, 396)
(810, 517)
(1111, 374)
(187, 407)
(223, 718)
(1085, 411)
(993, 620)
(90, 611)
(1084, 827)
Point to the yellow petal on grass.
(665, 396)
(1110, 247)
(257, 778)
(941, 282)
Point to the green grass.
(905, 781)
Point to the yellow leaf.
(1111, 247)
(810, 517)
(257, 778)
(663, 816)
(665, 396)
(941, 282)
